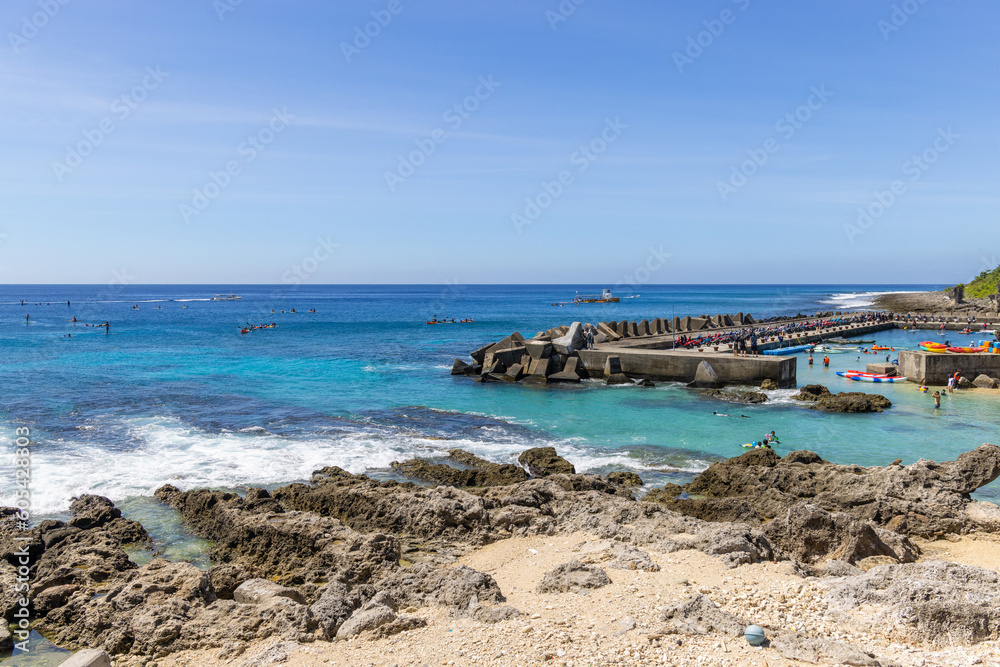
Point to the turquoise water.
(177, 395)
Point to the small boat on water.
(846, 341)
(226, 297)
(965, 350)
(858, 376)
(604, 297)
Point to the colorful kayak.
(930, 343)
(874, 378)
(966, 350)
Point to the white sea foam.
(170, 451)
(848, 300)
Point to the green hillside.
(983, 285)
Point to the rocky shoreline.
(346, 557)
(938, 303)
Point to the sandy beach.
(619, 624)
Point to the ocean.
(176, 394)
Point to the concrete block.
(88, 657)
(516, 371)
(570, 342)
(606, 329)
(676, 326)
(685, 324)
(510, 356)
(633, 330)
(612, 366)
(480, 354)
(656, 327)
(698, 323)
(539, 367)
(459, 367)
(705, 377)
(623, 328)
(643, 327)
(538, 349)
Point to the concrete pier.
(934, 368)
(680, 365)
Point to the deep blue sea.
(177, 395)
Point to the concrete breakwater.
(652, 350)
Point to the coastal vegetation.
(983, 285)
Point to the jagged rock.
(291, 547)
(698, 615)
(617, 378)
(924, 498)
(811, 393)
(571, 342)
(366, 620)
(768, 385)
(459, 367)
(644, 382)
(746, 397)
(335, 605)
(838, 568)
(91, 511)
(984, 381)
(225, 579)
(795, 646)
(707, 509)
(573, 577)
(495, 474)
(542, 461)
(615, 555)
(938, 599)
(6, 640)
(705, 377)
(628, 480)
(964, 383)
(451, 587)
(810, 534)
(852, 401)
(257, 591)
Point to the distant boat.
(225, 297)
(604, 297)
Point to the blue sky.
(720, 141)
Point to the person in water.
(826, 360)
(937, 399)
(810, 360)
